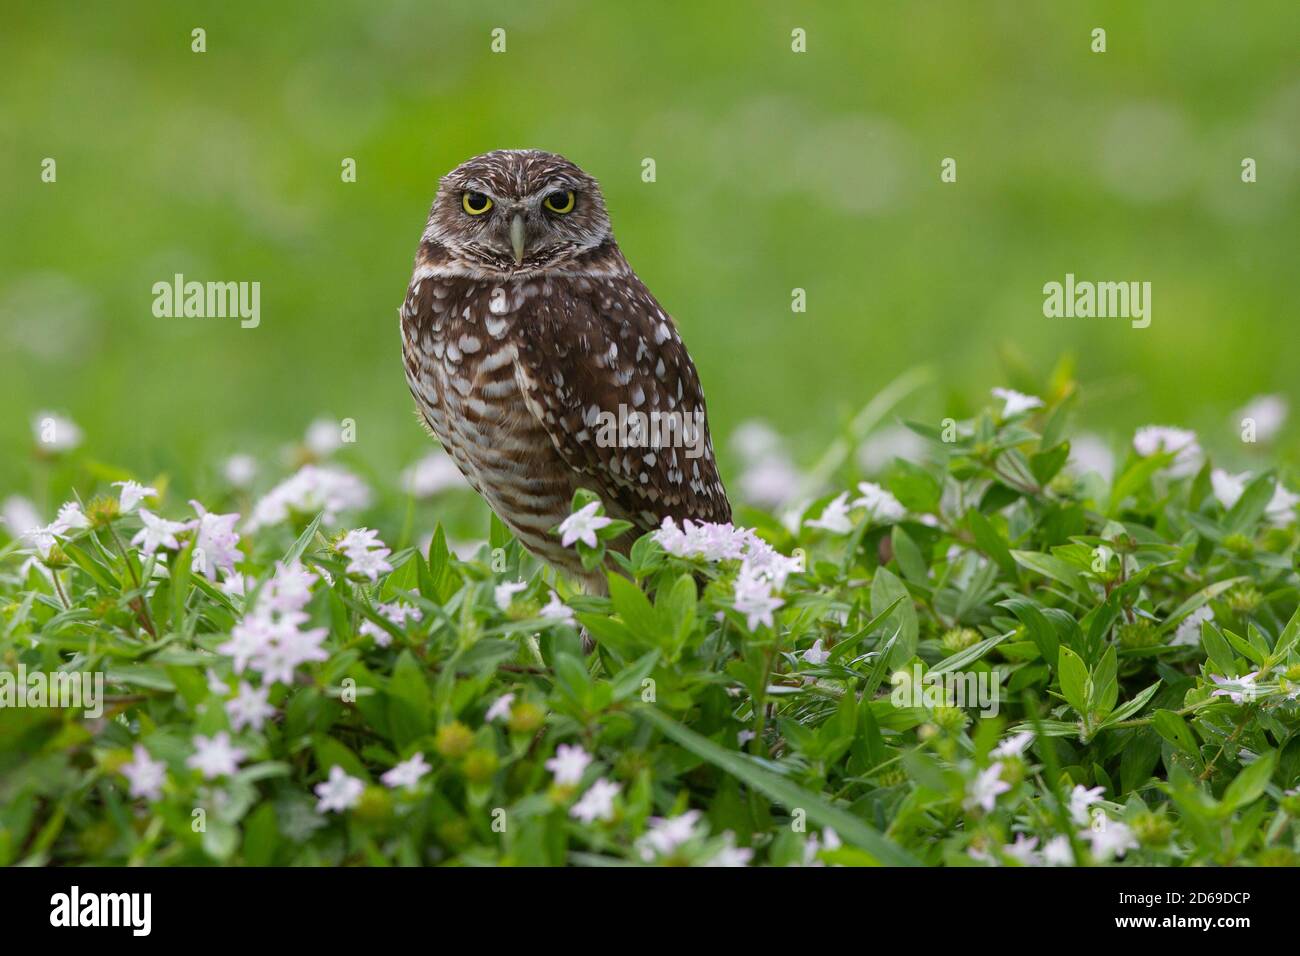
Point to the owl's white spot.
(469, 344)
(498, 303)
(453, 353)
(649, 459)
(661, 333)
(638, 397)
(496, 327)
(660, 370)
(644, 478)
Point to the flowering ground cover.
(1008, 648)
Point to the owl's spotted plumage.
(525, 332)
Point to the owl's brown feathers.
(514, 349)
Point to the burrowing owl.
(543, 364)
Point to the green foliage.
(995, 660)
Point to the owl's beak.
(517, 237)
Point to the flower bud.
(453, 740)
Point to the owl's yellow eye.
(559, 202)
(475, 203)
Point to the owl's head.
(512, 212)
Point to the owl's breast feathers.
(542, 385)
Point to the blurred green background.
(775, 170)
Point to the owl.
(543, 364)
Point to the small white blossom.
(1081, 798)
(313, 488)
(217, 540)
(568, 764)
(880, 504)
(250, 707)
(434, 473)
(666, 834)
(504, 594)
(323, 437)
(144, 774)
(730, 854)
(835, 516)
(582, 525)
(1268, 412)
(557, 610)
(1013, 746)
(597, 803)
(1024, 850)
(239, 470)
(54, 432)
(340, 792)
(1111, 839)
(754, 599)
(1179, 442)
(1057, 852)
(407, 773)
(1237, 689)
(1016, 403)
(986, 787)
(500, 709)
(132, 494)
(159, 532)
(367, 555)
(1189, 629)
(214, 756)
(816, 655)
(1090, 453)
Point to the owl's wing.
(602, 367)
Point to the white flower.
(250, 707)
(880, 504)
(1091, 453)
(664, 835)
(557, 610)
(1057, 852)
(239, 470)
(597, 803)
(500, 709)
(835, 516)
(1111, 838)
(568, 764)
(433, 473)
(269, 639)
(214, 756)
(1016, 403)
(1013, 746)
(71, 518)
(815, 655)
(582, 525)
(1023, 850)
(54, 432)
(407, 773)
(504, 594)
(730, 854)
(755, 439)
(340, 792)
(394, 612)
(770, 481)
(1237, 689)
(1189, 629)
(986, 787)
(217, 540)
(754, 599)
(893, 441)
(159, 532)
(132, 494)
(1268, 412)
(313, 488)
(367, 555)
(20, 515)
(1179, 442)
(323, 437)
(1227, 487)
(1281, 507)
(1081, 798)
(145, 775)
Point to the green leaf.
(1040, 630)
(850, 828)
(886, 588)
(1174, 729)
(1074, 681)
(1054, 568)
(1248, 786)
(1250, 507)
(989, 541)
